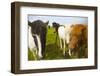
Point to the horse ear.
(29, 23)
(47, 23)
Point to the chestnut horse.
(78, 40)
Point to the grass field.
(53, 50)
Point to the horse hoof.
(41, 58)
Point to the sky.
(62, 20)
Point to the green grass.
(31, 56)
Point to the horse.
(78, 40)
(64, 36)
(39, 31)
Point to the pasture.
(53, 50)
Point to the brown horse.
(78, 41)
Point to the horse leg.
(56, 40)
(60, 43)
(63, 47)
(39, 46)
(69, 52)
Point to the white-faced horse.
(38, 31)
